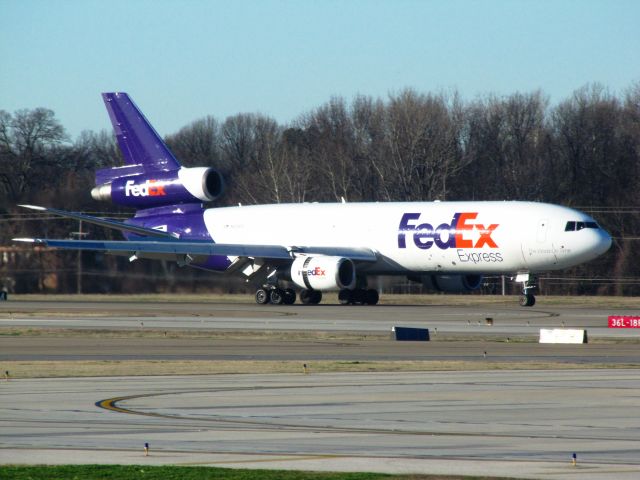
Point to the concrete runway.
(523, 424)
(508, 319)
(44, 348)
(362, 332)
(520, 423)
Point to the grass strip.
(109, 368)
(332, 298)
(271, 335)
(126, 472)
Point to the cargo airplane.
(317, 247)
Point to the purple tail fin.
(151, 176)
(141, 146)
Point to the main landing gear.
(287, 296)
(277, 296)
(310, 297)
(358, 296)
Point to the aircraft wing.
(169, 249)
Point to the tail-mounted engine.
(146, 190)
(323, 273)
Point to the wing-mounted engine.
(155, 189)
(323, 273)
(450, 283)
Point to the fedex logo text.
(456, 234)
(316, 272)
(146, 189)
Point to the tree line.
(583, 151)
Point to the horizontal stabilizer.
(104, 222)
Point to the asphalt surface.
(457, 332)
(523, 424)
(507, 318)
(78, 348)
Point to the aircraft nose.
(603, 242)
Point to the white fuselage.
(455, 237)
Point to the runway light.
(146, 450)
(305, 369)
(574, 459)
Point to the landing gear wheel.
(345, 297)
(371, 297)
(316, 297)
(289, 296)
(310, 297)
(262, 296)
(359, 296)
(305, 297)
(527, 300)
(276, 296)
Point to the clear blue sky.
(182, 60)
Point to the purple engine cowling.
(154, 189)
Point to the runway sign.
(410, 334)
(562, 335)
(624, 321)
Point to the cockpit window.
(576, 226)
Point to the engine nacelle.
(451, 283)
(323, 273)
(186, 185)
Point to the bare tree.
(250, 148)
(506, 145)
(589, 166)
(198, 144)
(27, 140)
(423, 138)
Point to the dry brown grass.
(107, 368)
(331, 298)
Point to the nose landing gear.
(527, 299)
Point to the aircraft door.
(541, 235)
(541, 253)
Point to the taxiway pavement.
(508, 319)
(523, 424)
